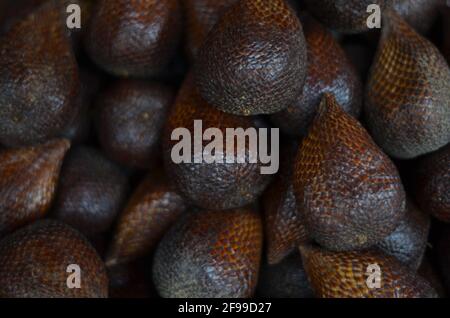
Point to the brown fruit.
(409, 240)
(329, 70)
(132, 115)
(348, 16)
(420, 14)
(432, 184)
(91, 191)
(285, 280)
(39, 84)
(347, 190)
(283, 225)
(28, 178)
(212, 254)
(34, 263)
(201, 16)
(346, 275)
(254, 59)
(133, 38)
(150, 212)
(408, 94)
(217, 186)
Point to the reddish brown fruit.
(201, 16)
(217, 186)
(347, 190)
(348, 16)
(91, 191)
(132, 115)
(408, 94)
(34, 262)
(39, 84)
(283, 225)
(254, 59)
(28, 178)
(345, 275)
(211, 254)
(134, 38)
(432, 184)
(152, 209)
(420, 14)
(409, 240)
(329, 71)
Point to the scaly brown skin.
(420, 14)
(283, 226)
(91, 191)
(348, 16)
(201, 16)
(28, 179)
(409, 240)
(329, 70)
(407, 103)
(34, 260)
(152, 209)
(134, 38)
(254, 60)
(217, 186)
(132, 116)
(348, 191)
(39, 82)
(213, 254)
(432, 184)
(345, 275)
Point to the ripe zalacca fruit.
(408, 94)
(28, 178)
(254, 60)
(217, 186)
(39, 83)
(201, 16)
(212, 254)
(91, 191)
(348, 191)
(133, 38)
(132, 116)
(284, 280)
(345, 275)
(432, 183)
(409, 240)
(420, 14)
(35, 259)
(348, 16)
(329, 70)
(152, 209)
(283, 226)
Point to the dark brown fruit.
(348, 16)
(34, 262)
(432, 184)
(28, 179)
(283, 225)
(254, 60)
(91, 191)
(134, 38)
(284, 280)
(329, 71)
(39, 83)
(409, 240)
(132, 116)
(217, 186)
(347, 190)
(420, 14)
(201, 16)
(346, 274)
(408, 94)
(152, 209)
(212, 254)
